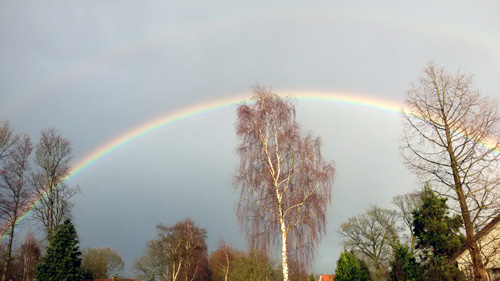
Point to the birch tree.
(15, 193)
(451, 137)
(222, 261)
(284, 182)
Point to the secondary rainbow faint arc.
(476, 37)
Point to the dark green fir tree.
(63, 257)
(351, 268)
(434, 229)
(438, 236)
(404, 267)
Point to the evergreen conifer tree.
(350, 268)
(434, 229)
(438, 236)
(63, 257)
(404, 266)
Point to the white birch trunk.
(284, 251)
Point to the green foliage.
(404, 266)
(435, 230)
(438, 236)
(62, 260)
(311, 277)
(350, 268)
(437, 269)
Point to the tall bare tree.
(407, 203)
(52, 158)
(285, 185)
(372, 236)
(451, 137)
(15, 193)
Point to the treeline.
(180, 253)
(32, 177)
(31, 182)
(451, 141)
(416, 242)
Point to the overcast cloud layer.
(96, 69)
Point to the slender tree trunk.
(227, 263)
(284, 250)
(9, 252)
(175, 272)
(477, 263)
(50, 226)
(413, 241)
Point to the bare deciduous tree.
(15, 193)
(52, 157)
(179, 253)
(407, 203)
(372, 236)
(151, 265)
(451, 137)
(285, 185)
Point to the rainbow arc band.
(110, 146)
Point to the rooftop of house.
(483, 232)
(324, 277)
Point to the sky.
(102, 71)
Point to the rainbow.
(350, 99)
(214, 105)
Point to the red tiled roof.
(324, 277)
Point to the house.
(489, 245)
(324, 277)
